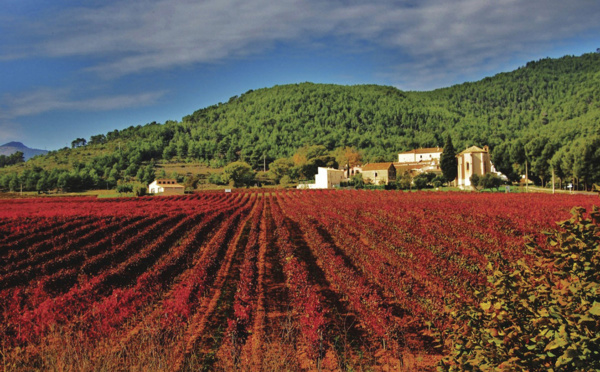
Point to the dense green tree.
(475, 181)
(132, 170)
(357, 181)
(14, 158)
(14, 182)
(502, 161)
(590, 160)
(42, 185)
(146, 174)
(169, 152)
(78, 142)
(285, 180)
(98, 139)
(238, 174)
(405, 181)
(490, 181)
(420, 182)
(423, 180)
(215, 178)
(280, 168)
(124, 188)
(448, 161)
(67, 182)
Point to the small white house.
(326, 178)
(166, 187)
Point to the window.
(467, 166)
(376, 174)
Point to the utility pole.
(553, 180)
(264, 162)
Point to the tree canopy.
(448, 161)
(545, 114)
(14, 158)
(238, 174)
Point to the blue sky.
(72, 69)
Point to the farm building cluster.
(473, 160)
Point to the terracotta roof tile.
(377, 166)
(472, 149)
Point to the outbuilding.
(326, 178)
(379, 173)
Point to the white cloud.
(439, 37)
(45, 100)
(443, 40)
(149, 35)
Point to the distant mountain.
(12, 147)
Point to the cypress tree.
(448, 161)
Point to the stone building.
(473, 160)
(379, 173)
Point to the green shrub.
(285, 180)
(420, 181)
(543, 316)
(141, 190)
(238, 174)
(215, 179)
(124, 188)
(491, 181)
(357, 181)
(475, 181)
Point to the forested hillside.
(546, 113)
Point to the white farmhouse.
(326, 178)
(166, 187)
(420, 155)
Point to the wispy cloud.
(439, 37)
(45, 100)
(148, 35)
(445, 40)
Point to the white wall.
(326, 178)
(415, 158)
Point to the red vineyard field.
(313, 280)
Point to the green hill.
(546, 113)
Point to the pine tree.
(448, 161)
